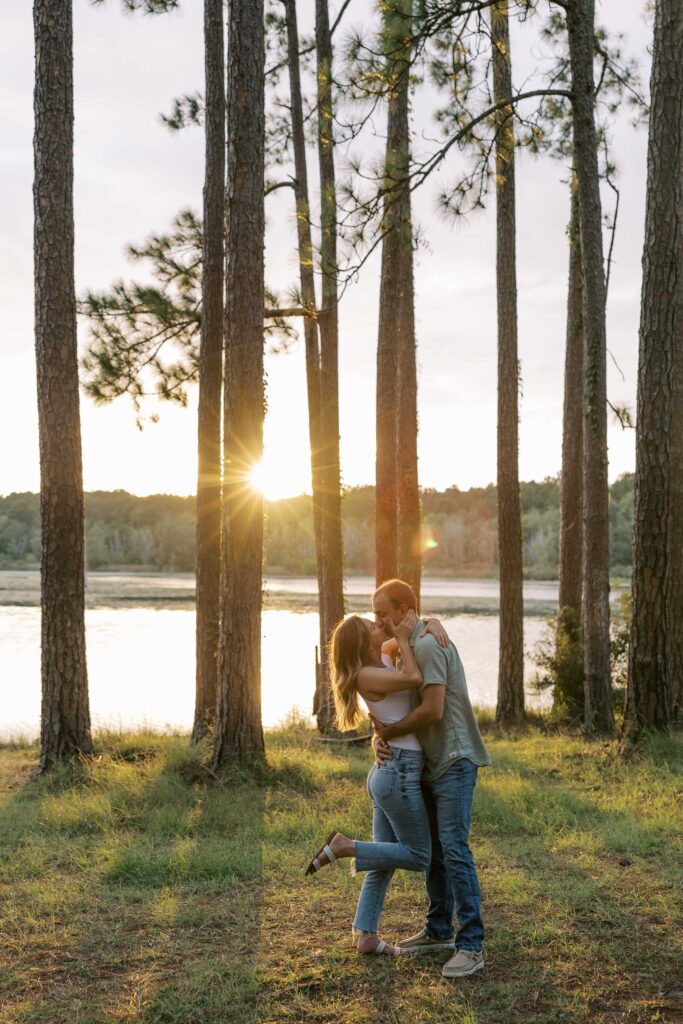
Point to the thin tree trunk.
(408, 539)
(595, 605)
(332, 594)
(329, 602)
(210, 376)
(65, 712)
(387, 393)
(510, 704)
(239, 734)
(397, 500)
(571, 479)
(386, 489)
(657, 524)
(675, 561)
(309, 325)
(673, 34)
(571, 482)
(409, 511)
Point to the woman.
(400, 826)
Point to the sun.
(259, 478)
(275, 479)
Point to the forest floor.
(136, 888)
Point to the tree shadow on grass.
(185, 901)
(573, 935)
(152, 886)
(577, 894)
(211, 865)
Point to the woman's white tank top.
(393, 708)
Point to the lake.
(140, 640)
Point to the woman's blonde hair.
(349, 651)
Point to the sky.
(132, 176)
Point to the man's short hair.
(399, 592)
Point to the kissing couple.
(428, 750)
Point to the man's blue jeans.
(400, 831)
(452, 882)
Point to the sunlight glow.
(275, 480)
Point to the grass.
(134, 888)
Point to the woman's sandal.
(315, 864)
(387, 950)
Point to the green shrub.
(559, 658)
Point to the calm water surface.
(141, 659)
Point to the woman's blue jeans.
(400, 832)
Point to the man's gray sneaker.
(463, 963)
(423, 942)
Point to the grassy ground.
(136, 888)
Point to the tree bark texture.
(330, 469)
(239, 734)
(675, 563)
(595, 605)
(65, 712)
(329, 602)
(210, 376)
(657, 622)
(386, 469)
(409, 525)
(397, 514)
(571, 481)
(510, 703)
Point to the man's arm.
(433, 662)
(430, 710)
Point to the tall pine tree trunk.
(408, 539)
(657, 523)
(673, 34)
(397, 509)
(328, 609)
(571, 482)
(65, 713)
(571, 479)
(239, 734)
(386, 477)
(210, 376)
(510, 704)
(332, 595)
(675, 563)
(409, 512)
(595, 605)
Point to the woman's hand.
(404, 629)
(434, 627)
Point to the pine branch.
(290, 311)
(273, 187)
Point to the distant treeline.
(158, 532)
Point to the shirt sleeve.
(433, 661)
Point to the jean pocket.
(381, 785)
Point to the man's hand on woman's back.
(381, 748)
(434, 627)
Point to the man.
(454, 750)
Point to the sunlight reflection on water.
(141, 665)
